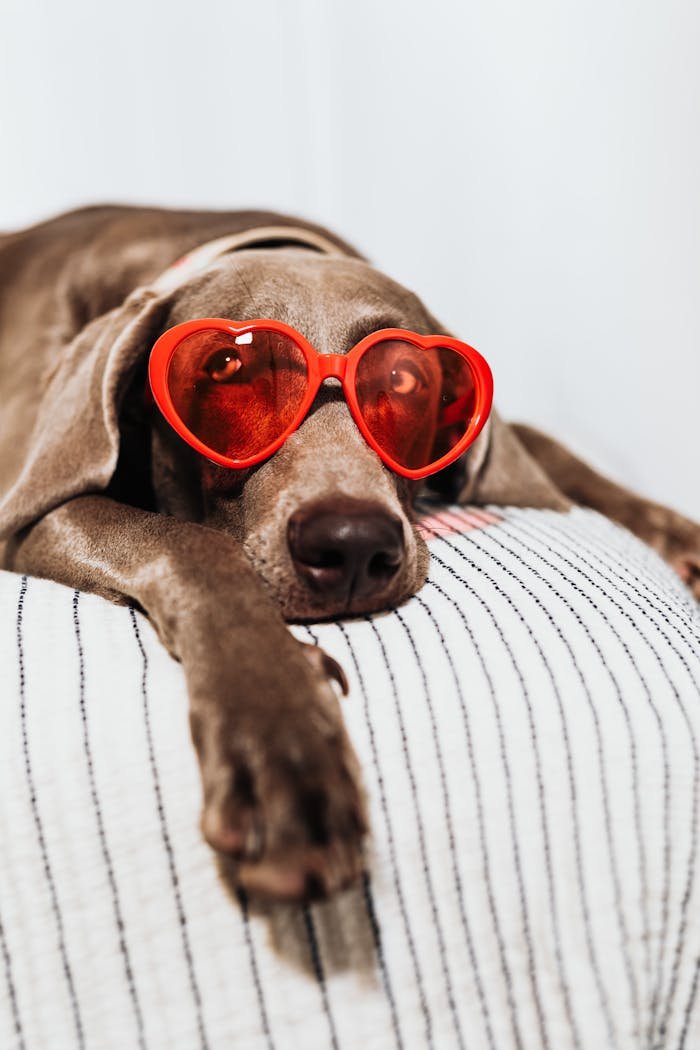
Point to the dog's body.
(98, 493)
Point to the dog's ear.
(75, 441)
(510, 476)
(497, 469)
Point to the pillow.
(528, 728)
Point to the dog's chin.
(311, 608)
(314, 608)
(299, 603)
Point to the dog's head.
(326, 524)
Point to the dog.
(100, 493)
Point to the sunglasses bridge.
(332, 366)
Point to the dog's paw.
(687, 565)
(677, 539)
(282, 793)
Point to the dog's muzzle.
(346, 549)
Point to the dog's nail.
(330, 667)
(335, 671)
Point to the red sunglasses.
(235, 391)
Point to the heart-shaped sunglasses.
(235, 391)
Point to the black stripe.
(614, 870)
(646, 602)
(421, 832)
(483, 839)
(666, 823)
(320, 975)
(391, 843)
(638, 553)
(247, 933)
(690, 623)
(680, 942)
(377, 935)
(16, 1020)
(449, 822)
(367, 891)
(690, 1005)
(588, 542)
(628, 723)
(667, 863)
(116, 906)
(573, 796)
(315, 953)
(165, 835)
(519, 519)
(55, 907)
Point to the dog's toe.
(271, 880)
(238, 835)
(687, 565)
(232, 823)
(309, 874)
(295, 828)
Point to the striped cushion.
(528, 726)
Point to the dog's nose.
(345, 547)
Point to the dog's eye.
(223, 365)
(406, 378)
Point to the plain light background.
(531, 170)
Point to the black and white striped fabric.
(528, 726)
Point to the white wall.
(532, 170)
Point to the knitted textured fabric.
(528, 728)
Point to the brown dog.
(98, 493)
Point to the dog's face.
(324, 522)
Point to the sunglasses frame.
(320, 367)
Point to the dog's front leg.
(280, 780)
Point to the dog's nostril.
(327, 559)
(383, 564)
(346, 547)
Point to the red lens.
(417, 403)
(237, 393)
